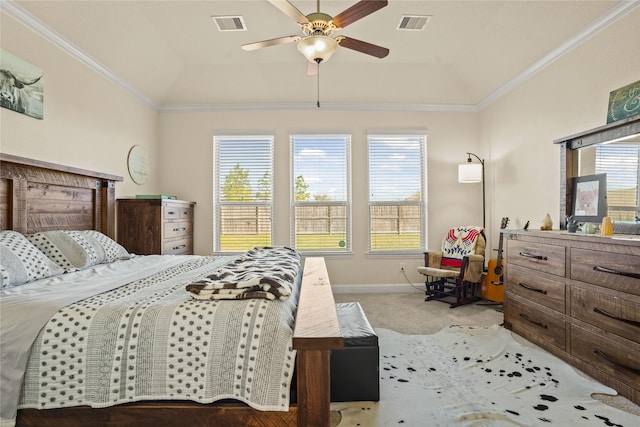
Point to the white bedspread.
(25, 309)
(72, 359)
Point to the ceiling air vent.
(413, 22)
(229, 23)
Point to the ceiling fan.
(317, 45)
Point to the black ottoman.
(355, 369)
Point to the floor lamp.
(470, 173)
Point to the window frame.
(217, 185)
(348, 203)
(422, 135)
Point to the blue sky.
(321, 160)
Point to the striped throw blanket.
(265, 272)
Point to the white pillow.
(77, 250)
(21, 262)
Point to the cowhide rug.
(477, 376)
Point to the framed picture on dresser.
(589, 198)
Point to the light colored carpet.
(409, 314)
(477, 376)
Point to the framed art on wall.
(21, 86)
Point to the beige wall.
(91, 123)
(569, 96)
(186, 145)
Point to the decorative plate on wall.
(138, 165)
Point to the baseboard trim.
(378, 288)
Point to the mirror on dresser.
(613, 149)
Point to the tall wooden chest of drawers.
(578, 296)
(155, 226)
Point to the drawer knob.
(613, 316)
(535, 322)
(618, 272)
(528, 255)
(175, 248)
(531, 288)
(609, 359)
(180, 229)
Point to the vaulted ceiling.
(171, 53)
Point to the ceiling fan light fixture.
(317, 48)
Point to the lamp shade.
(470, 173)
(317, 48)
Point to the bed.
(38, 196)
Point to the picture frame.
(22, 86)
(624, 102)
(589, 198)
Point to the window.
(321, 193)
(243, 187)
(620, 163)
(397, 192)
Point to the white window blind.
(397, 192)
(243, 192)
(321, 199)
(621, 164)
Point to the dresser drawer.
(537, 256)
(617, 358)
(615, 271)
(178, 246)
(612, 313)
(177, 229)
(545, 289)
(537, 324)
(185, 212)
(176, 211)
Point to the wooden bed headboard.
(39, 196)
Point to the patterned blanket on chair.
(458, 243)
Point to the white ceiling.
(171, 54)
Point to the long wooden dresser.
(578, 296)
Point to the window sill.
(396, 254)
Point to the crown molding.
(612, 15)
(449, 108)
(15, 11)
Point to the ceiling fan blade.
(312, 68)
(290, 10)
(364, 47)
(272, 42)
(358, 11)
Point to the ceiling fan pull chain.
(318, 103)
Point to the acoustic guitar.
(492, 285)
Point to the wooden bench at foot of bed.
(316, 333)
